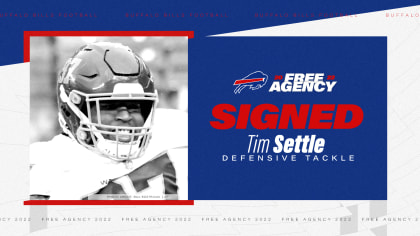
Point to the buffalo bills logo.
(254, 81)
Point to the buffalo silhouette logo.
(254, 81)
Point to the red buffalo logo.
(253, 81)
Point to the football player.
(107, 112)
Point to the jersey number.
(140, 176)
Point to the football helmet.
(97, 75)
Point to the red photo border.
(26, 58)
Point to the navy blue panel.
(359, 64)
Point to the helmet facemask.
(121, 142)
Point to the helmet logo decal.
(68, 70)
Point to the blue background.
(359, 64)
(110, 16)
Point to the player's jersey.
(63, 169)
